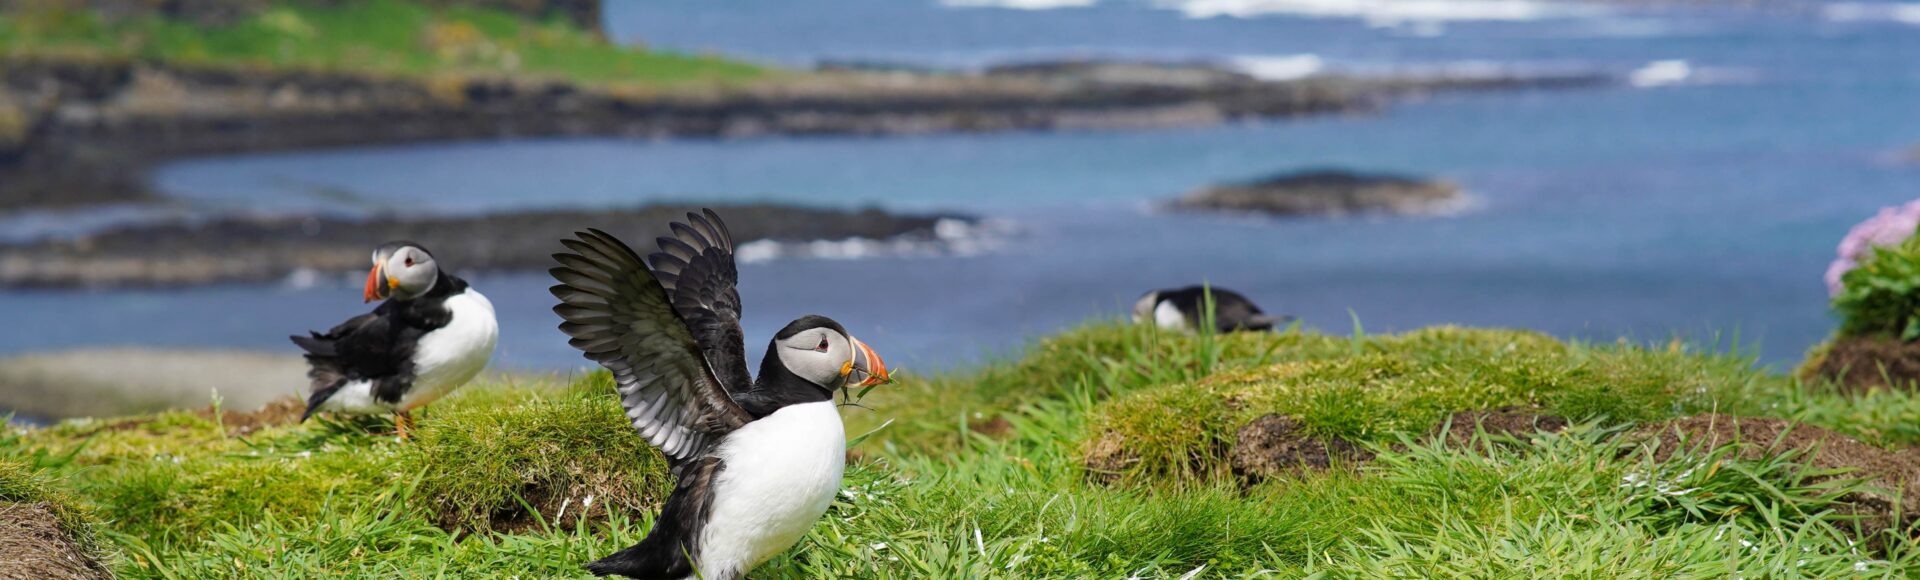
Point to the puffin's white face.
(1143, 310)
(401, 272)
(832, 360)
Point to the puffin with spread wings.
(757, 460)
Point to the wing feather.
(696, 267)
(616, 313)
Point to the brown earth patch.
(33, 545)
(997, 427)
(1896, 475)
(1518, 422)
(1108, 457)
(1864, 363)
(557, 507)
(1275, 445)
(282, 411)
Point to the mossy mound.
(537, 458)
(1382, 388)
(500, 458)
(1863, 363)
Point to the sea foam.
(949, 237)
(1280, 68)
(1018, 4)
(1882, 12)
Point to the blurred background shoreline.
(192, 176)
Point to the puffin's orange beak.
(376, 287)
(866, 369)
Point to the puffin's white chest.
(1168, 316)
(451, 355)
(781, 472)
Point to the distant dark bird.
(757, 461)
(1180, 308)
(433, 334)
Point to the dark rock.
(33, 544)
(1123, 73)
(249, 249)
(1896, 475)
(1326, 192)
(1517, 422)
(1862, 363)
(1277, 445)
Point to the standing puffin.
(433, 333)
(1179, 308)
(757, 460)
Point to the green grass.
(393, 37)
(947, 491)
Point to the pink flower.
(1890, 227)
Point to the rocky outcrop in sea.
(1327, 192)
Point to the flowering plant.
(1875, 280)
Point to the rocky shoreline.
(105, 382)
(264, 249)
(75, 132)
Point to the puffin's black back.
(1231, 311)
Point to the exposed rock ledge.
(256, 249)
(1327, 192)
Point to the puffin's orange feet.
(403, 424)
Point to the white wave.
(1660, 73)
(949, 237)
(303, 278)
(1385, 12)
(1881, 12)
(1280, 68)
(1666, 73)
(1019, 4)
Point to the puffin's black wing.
(619, 316)
(369, 346)
(696, 268)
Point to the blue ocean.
(1699, 198)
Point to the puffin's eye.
(409, 261)
(823, 345)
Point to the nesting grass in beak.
(866, 369)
